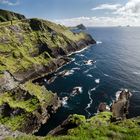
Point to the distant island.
(78, 27)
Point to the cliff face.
(31, 48)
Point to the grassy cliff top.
(24, 44)
(98, 127)
(8, 16)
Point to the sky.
(74, 12)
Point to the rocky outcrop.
(6, 132)
(119, 107)
(81, 26)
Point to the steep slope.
(31, 48)
(99, 127)
(8, 16)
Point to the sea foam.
(97, 81)
(99, 42)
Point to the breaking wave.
(99, 42)
(89, 75)
(97, 81)
(89, 104)
(76, 68)
(64, 101)
(69, 72)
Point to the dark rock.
(102, 107)
(62, 129)
(120, 107)
(81, 27)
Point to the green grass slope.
(8, 16)
(98, 127)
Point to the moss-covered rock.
(26, 102)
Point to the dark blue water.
(117, 66)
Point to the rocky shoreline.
(31, 49)
(119, 110)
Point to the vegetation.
(27, 45)
(98, 127)
(13, 122)
(18, 104)
(8, 16)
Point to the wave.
(89, 104)
(80, 55)
(89, 62)
(97, 81)
(69, 72)
(99, 42)
(76, 68)
(135, 91)
(88, 70)
(136, 73)
(118, 93)
(79, 50)
(64, 101)
(73, 60)
(77, 64)
(89, 75)
(107, 107)
(80, 89)
(93, 89)
(106, 75)
(76, 90)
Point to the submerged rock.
(89, 62)
(76, 90)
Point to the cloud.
(7, 2)
(101, 21)
(127, 14)
(107, 7)
(131, 8)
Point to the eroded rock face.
(119, 107)
(8, 82)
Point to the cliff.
(8, 16)
(99, 127)
(29, 49)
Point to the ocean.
(116, 58)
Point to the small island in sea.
(58, 83)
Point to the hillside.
(29, 49)
(99, 127)
(8, 16)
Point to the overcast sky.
(73, 12)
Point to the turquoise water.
(117, 56)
